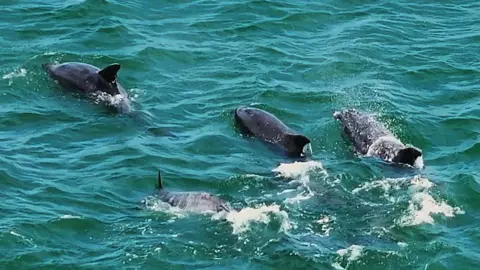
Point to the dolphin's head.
(242, 114)
(107, 80)
(244, 117)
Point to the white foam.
(388, 185)
(422, 205)
(353, 252)
(326, 219)
(300, 172)
(402, 244)
(421, 208)
(337, 266)
(70, 217)
(107, 98)
(241, 220)
(300, 197)
(18, 73)
(420, 183)
(119, 100)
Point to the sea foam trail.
(421, 204)
(299, 171)
(241, 220)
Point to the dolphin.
(100, 84)
(372, 138)
(270, 129)
(199, 202)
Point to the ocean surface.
(77, 181)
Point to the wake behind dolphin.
(270, 129)
(372, 138)
(98, 84)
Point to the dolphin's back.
(74, 75)
(269, 128)
(261, 124)
(363, 129)
(194, 201)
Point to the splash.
(300, 172)
(15, 74)
(119, 101)
(241, 220)
(351, 254)
(421, 208)
(109, 99)
(421, 204)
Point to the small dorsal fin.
(160, 182)
(295, 143)
(298, 140)
(408, 155)
(109, 73)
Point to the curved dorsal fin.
(297, 140)
(160, 182)
(109, 73)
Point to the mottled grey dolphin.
(92, 81)
(200, 202)
(372, 138)
(270, 129)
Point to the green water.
(73, 175)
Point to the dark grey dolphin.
(92, 81)
(372, 138)
(267, 127)
(199, 202)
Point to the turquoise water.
(73, 175)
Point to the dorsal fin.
(408, 155)
(296, 142)
(160, 182)
(109, 73)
